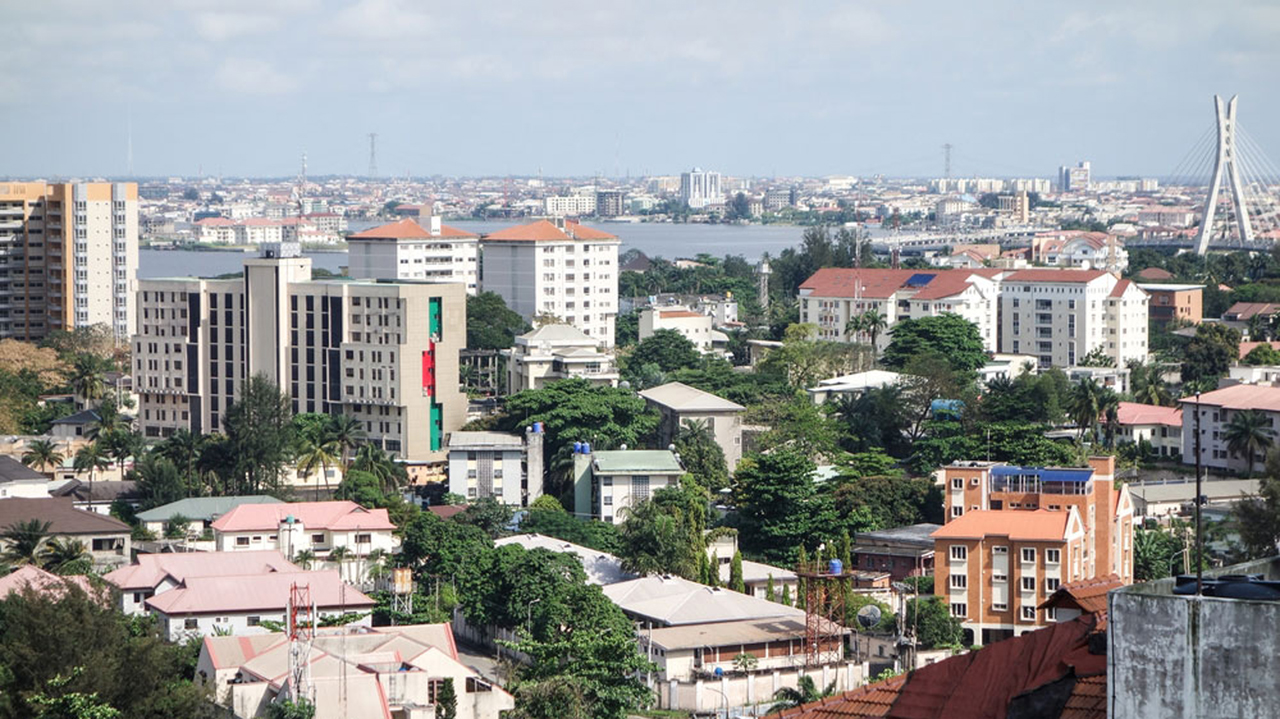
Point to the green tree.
(626, 329)
(778, 506)
(447, 701)
(63, 555)
(701, 455)
(42, 455)
(318, 454)
(1148, 383)
(158, 481)
(182, 448)
(488, 514)
(347, 432)
(560, 524)
(288, 709)
(947, 335)
(931, 620)
(70, 705)
(1209, 355)
(88, 379)
(736, 582)
(560, 697)
(1263, 354)
(1097, 357)
(1087, 404)
(805, 692)
(491, 325)
(434, 546)
(390, 474)
(1153, 554)
(260, 435)
(92, 459)
(23, 541)
(304, 558)
(1257, 519)
(546, 503)
(177, 527)
(803, 360)
(1249, 433)
(667, 349)
(664, 535)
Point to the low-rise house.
(199, 512)
(1216, 409)
(601, 567)
(238, 604)
(901, 551)
(154, 574)
(31, 577)
(679, 404)
(74, 426)
(607, 483)
(693, 326)
(107, 539)
(318, 527)
(506, 467)
(19, 480)
(392, 672)
(758, 577)
(1173, 498)
(1114, 378)
(99, 495)
(855, 384)
(555, 352)
(1161, 426)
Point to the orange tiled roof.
(676, 314)
(1087, 595)
(1120, 288)
(546, 231)
(407, 229)
(1136, 413)
(1040, 525)
(1055, 275)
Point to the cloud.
(223, 26)
(381, 21)
(253, 77)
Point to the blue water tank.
(577, 448)
(586, 448)
(836, 567)
(537, 428)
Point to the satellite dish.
(869, 616)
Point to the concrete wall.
(1171, 657)
(752, 694)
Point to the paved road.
(480, 660)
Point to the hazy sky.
(497, 87)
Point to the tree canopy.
(491, 325)
(948, 335)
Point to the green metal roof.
(202, 508)
(637, 461)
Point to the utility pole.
(1199, 537)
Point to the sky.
(614, 87)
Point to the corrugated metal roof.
(630, 461)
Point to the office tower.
(699, 188)
(68, 257)
(1074, 179)
(385, 353)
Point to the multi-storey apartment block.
(1012, 534)
(555, 352)
(405, 250)
(561, 269)
(1215, 410)
(506, 467)
(68, 257)
(385, 353)
(833, 296)
(1059, 316)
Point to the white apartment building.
(215, 230)
(68, 257)
(506, 467)
(694, 326)
(699, 188)
(608, 483)
(561, 269)
(1216, 409)
(405, 250)
(574, 205)
(556, 352)
(1060, 316)
(833, 296)
(369, 350)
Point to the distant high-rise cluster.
(1074, 179)
(699, 188)
(70, 257)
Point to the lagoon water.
(654, 239)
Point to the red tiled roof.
(1055, 275)
(215, 222)
(407, 229)
(1247, 310)
(1087, 595)
(1088, 699)
(1121, 287)
(1155, 273)
(882, 284)
(38, 580)
(341, 515)
(1135, 413)
(1241, 396)
(245, 593)
(546, 231)
(1040, 525)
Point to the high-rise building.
(609, 203)
(406, 250)
(1074, 179)
(68, 257)
(556, 269)
(383, 352)
(1059, 316)
(699, 188)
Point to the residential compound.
(1215, 410)
(405, 250)
(316, 527)
(833, 296)
(1013, 535)
(555, 352)
(606, 484)
(68, 257)
(506, 467)
(1055, 315)
(559, 269)
(369, 350)
(682, 406)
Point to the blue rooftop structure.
(1045, 474)
(1051, 480)
(920, 279)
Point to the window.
(1052, 556)
(1051, 584)
(1028, 584)
(959, 610)
(317, 539)
(639, 488)
(957, 483)
(1029, 614)
(959, 581)
(608, 500)
(957, 511)
(191, 623)
(1029, 555)
(959, 552)
(999, 607)
(1001, 549)
(364, 539)
(999, 577)
(242, 541)
(253, 621)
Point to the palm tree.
(854, 327)
(1249, 432)
(1109, 410)
(91, 458)
(23, 541)
(64, 555)
(88, 380)
(340, 555)
(347, 432)
(321, 454)
(304, 558)
(805, 692)
(109, 422)
(1149, 385)
(1085, 405)
(183, 449)
(42, 454)
(373, 459)
(873, 323)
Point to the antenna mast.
(302, 630)
(373, 154)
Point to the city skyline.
(571, 89)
